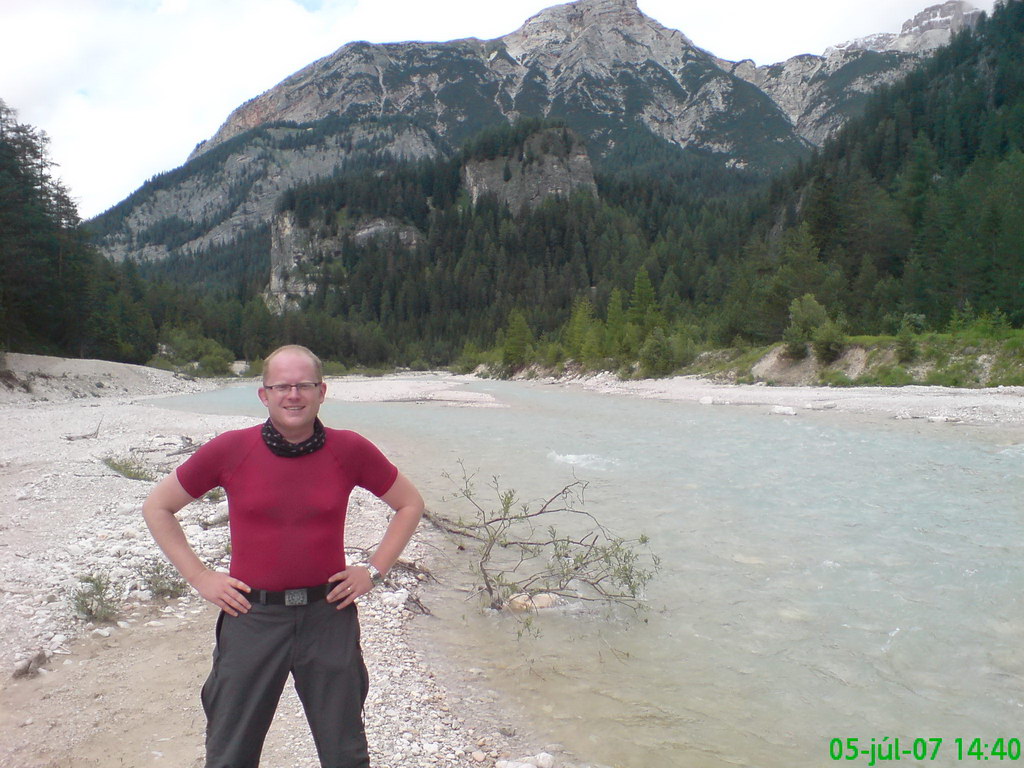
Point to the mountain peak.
(603, 29)
(930, 29)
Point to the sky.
(125, 89)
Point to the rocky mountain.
(602, 65)
(819, 93)
(930, 29)
(607, 70)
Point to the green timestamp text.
(889, 749)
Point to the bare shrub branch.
(554, 547)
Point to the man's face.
(294, 411)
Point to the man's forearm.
(170, 537)
(408, 505)
(399, 531)
(159, 511)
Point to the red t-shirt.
(286, 515)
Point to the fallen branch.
(518, 557)
(188, 445)
(87, 435)
(448, 525)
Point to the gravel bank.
(74, 692)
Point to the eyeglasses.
(304, 387)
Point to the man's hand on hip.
(353, 582)
(223, 591)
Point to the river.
(821, 578)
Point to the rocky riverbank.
(125, 692)
(84, 442)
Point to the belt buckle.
(296, 597)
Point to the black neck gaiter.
(280, 447)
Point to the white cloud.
(126, 88)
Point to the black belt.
(303, 596)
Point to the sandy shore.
(127, 693)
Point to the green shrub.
(331, 368)
(887, 376)
(162, 579)
(255, 367)
(93, 601)
(1015, 343)
(214, 364)
(684, 350)
(795, 343)
(552, 354)
(806, 314)
(958, 374)
(833, 378)
(906, 344)
(987, 325)
(129, 467)
(828, 341)
(183, 348)
(656, 354)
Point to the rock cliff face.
(820, 93)
(602, 66)
(297, 254)
(552, 163)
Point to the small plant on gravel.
(162, 580)
(130, 467)
(92, 600)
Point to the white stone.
(522, 603)
(783, 410)
(395, 599)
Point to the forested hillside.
(57, 295)
(910, 219)
(918, 207)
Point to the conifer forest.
(909, 219)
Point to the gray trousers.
(319, 646)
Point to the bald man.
(288, 601)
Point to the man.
(288, 603)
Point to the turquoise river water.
(821, 578)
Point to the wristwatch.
(376, 577)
